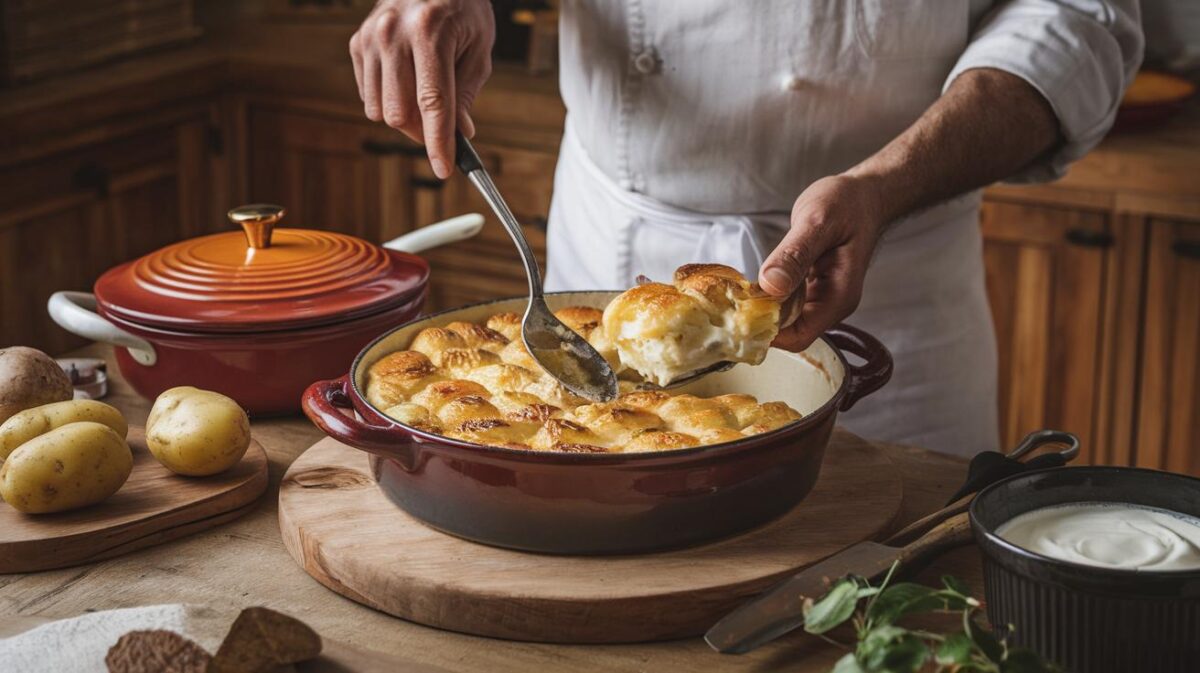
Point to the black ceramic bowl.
(1089, 619)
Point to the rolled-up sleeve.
(1080, 54)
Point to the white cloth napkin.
(78, 645)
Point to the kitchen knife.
(781, 609)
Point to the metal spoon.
(722, 366)
(560, 351)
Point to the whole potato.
(73, 466)
(197, 432)
(30, 378)
(26, 425)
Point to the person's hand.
(419, 65)
(819, 267)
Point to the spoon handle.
(469, 163)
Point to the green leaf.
(847, 664)
(906, 654)
(955, 649)
(874, 645)
(902, 599)
(956, 585)
(868, 591)
(833, 609)
(985, 641)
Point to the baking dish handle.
(322, 403)
(864, 379)
(441, 233)
(76, 313)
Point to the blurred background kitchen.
(128, 124)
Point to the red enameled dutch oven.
(258, 314)
(581, 503)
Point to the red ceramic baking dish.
(586, 503)
(257, 314)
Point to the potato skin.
(197, 432)
(26, 425)
(30, 378)
(69, 467)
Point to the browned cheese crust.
(478, 383)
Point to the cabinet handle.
(381, 148)
(427, 183)
(540, 223)
(1185, 248)
(1089, 238)
(92, 176)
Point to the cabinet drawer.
(70, 179)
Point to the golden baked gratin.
(478, 383)
(710, 314)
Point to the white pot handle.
(447, 231)
(76, 313)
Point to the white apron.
(728, 110)
(924, 295)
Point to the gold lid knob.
(257, 220)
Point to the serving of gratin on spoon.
(706, 321)
(564, 354)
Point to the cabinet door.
(1169, 400)
(331, 173)
(67, 218)
(1045, 280)
(488, 266)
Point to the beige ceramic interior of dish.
(804, 381)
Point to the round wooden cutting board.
(154, 506)
(345, 533)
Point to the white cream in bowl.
(1109, 535)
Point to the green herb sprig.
(883, 646)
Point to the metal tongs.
(564, 354)
(780, 609)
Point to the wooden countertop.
(244, 563)
(1150, 172)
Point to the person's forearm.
(988, 125)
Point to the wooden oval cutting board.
(343, 531)
(154, 506)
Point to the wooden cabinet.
(1098, 327)
(1045, 275)
(488, 266)
(1168, 413)
(67, 216)
(1093, 280)
(341, 173)
(330, 172)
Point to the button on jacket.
(693, 125)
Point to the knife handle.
(916, 529)
(953, 532)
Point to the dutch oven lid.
(262, 279)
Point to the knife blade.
(781, 609)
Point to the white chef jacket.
(693, 126)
